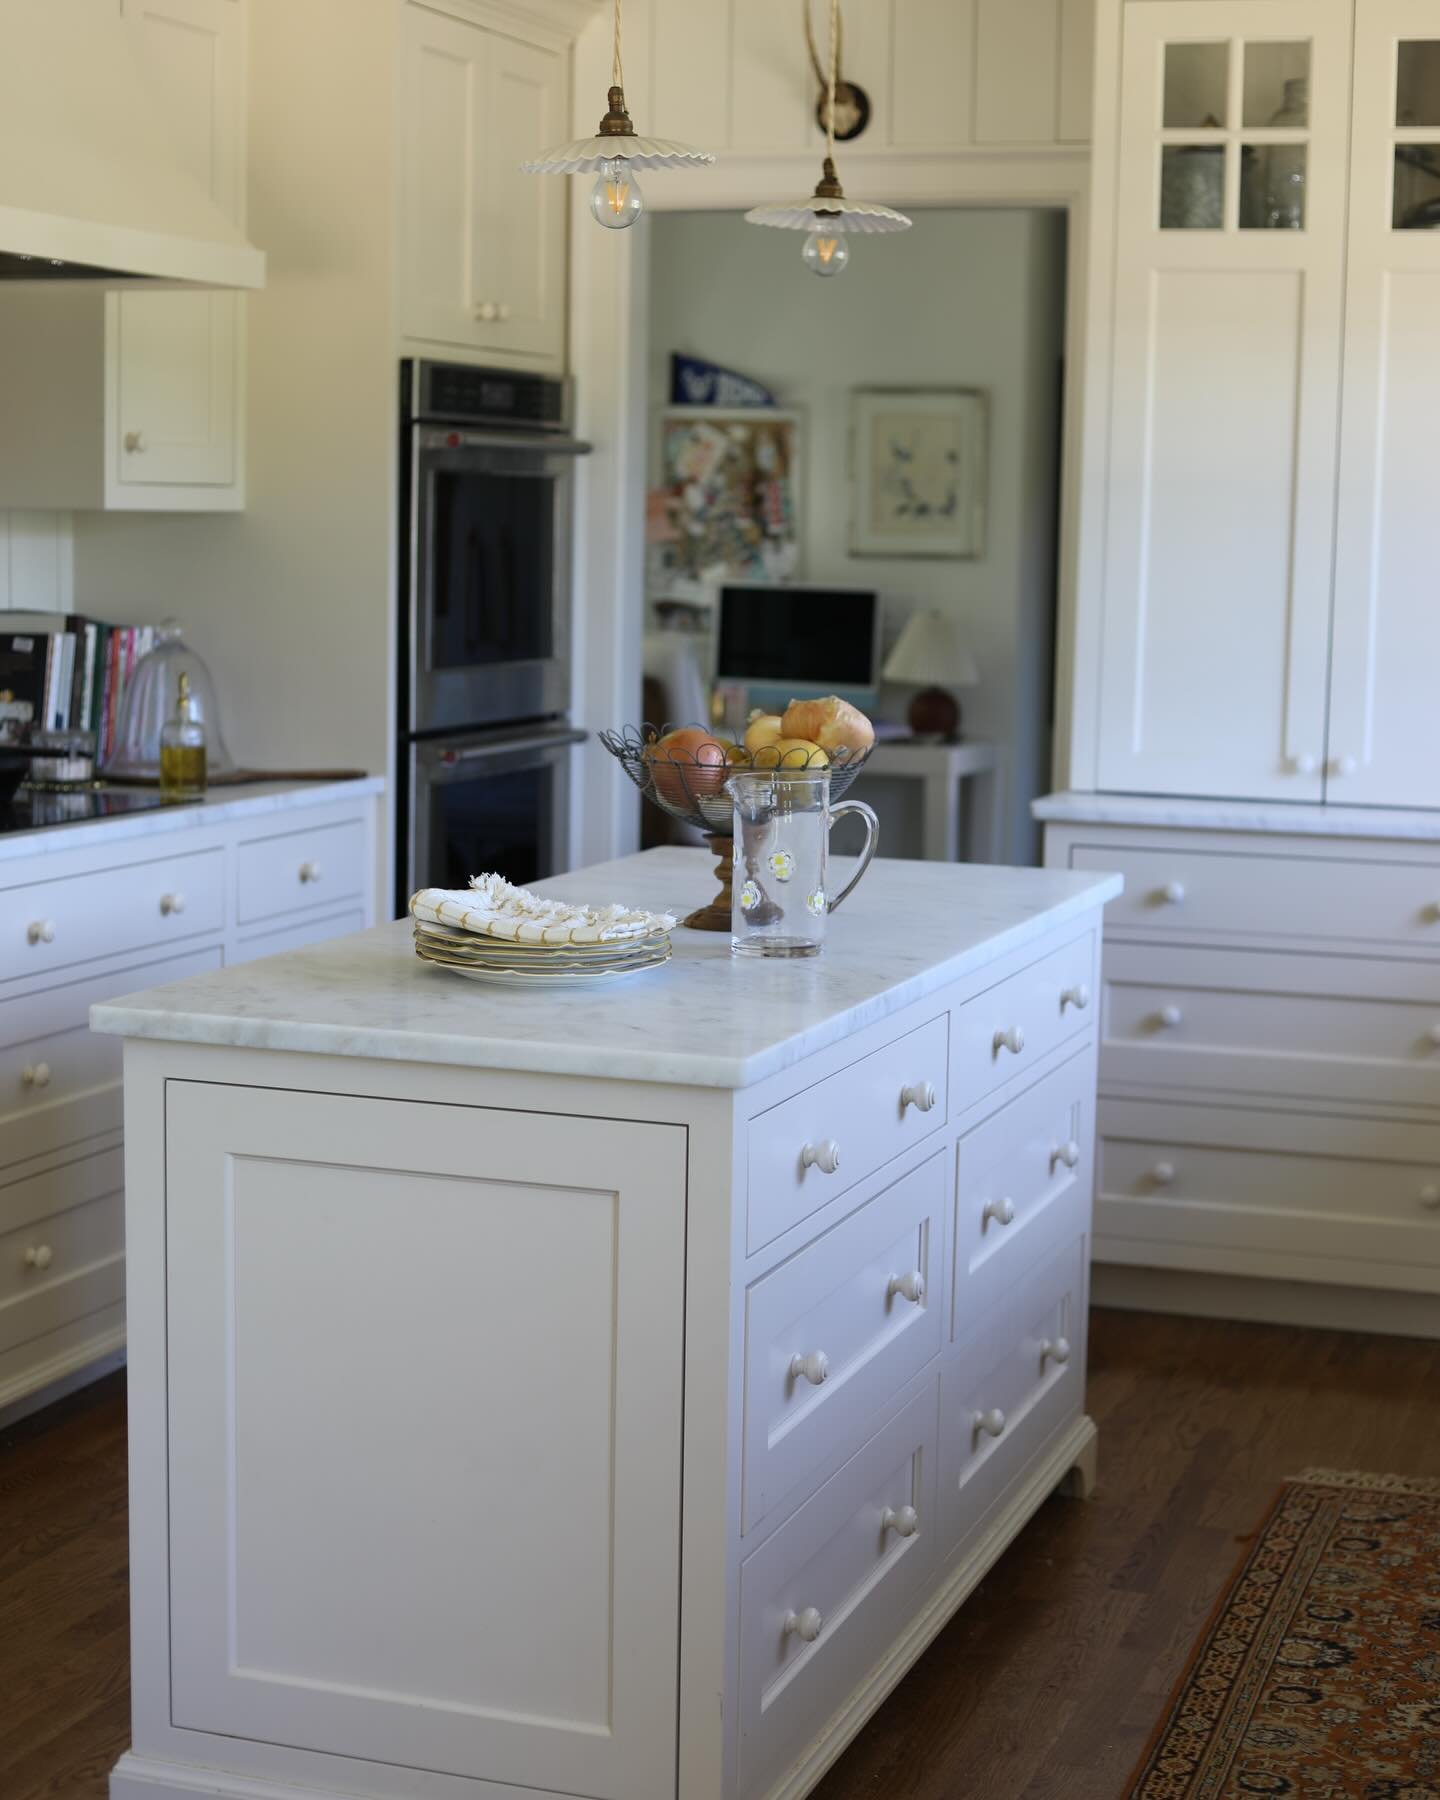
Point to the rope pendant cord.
(617, 64)
(834, 75)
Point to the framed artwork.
(725, 498)
(918, 471)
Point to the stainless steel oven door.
(489, 577)
(483, 802)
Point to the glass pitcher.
(780, 900)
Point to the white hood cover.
(88, 179)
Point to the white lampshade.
(929, 653)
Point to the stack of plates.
(483, 958)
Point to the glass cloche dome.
(150, 700)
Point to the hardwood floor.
(1045, 1686)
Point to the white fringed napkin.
(491, 907)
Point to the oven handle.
(554, 740)
(437, 438)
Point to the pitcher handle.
(872, 838)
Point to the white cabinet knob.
(172, 903)
(1067, 1153)
(1056, 1350)
(1343, 765)
(309, 871)
(904, 1522)
(814, 1367)
(1170, 1017)
(1434, 1034)
(502, 313)
(487, 312)
(910, 1287)
(1001, 1211)
(806, 1625)
(39, 1256)
(1304, 764)
(1077, 996)
(1173, 893)
(1012, 1039)
(1163, 1174)
(825, 1156)
(40, 931)
(36, 1075)
(991, 1423)
(1430, 1197)
(134, 443)
(920, 1095)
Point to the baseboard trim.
(1259, 1300)
(142, 1778)
(50, 1381)
(1075, 1450)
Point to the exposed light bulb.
(825, 252)
(617, 201)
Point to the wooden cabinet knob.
(1011, 1039)
(1001, 1211)
(309, 872)
(1077, 996)
(40, 931)
(1067, 1153)
(806, 1625)
(989, 1424)
(910, 1287)
(39, 1256)
(1173, 893)
(172, 903)
(1170, 1017)
(135, 443)
(920, 1094)
(36, 1075)
(1163, 1174)
(904, 1521)
(812, 1367)
(824, 1156)
(1430, 1197)
(1056, 1350)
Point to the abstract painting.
(917, 469)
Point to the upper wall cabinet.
(939, 74)
(483, 266)
(1262, 335)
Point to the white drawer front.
(1258, 1022)
(1325, 1189)
(44, 1070)
(817, 1144)
(311, 866)
(1022, 1187)
(51, 1254)
(1006, 1030)
(822, 1600)
(1017, 1380)
(1188, 890)
(48, 925)
(295, 937)
(832, 1333)
(30, 1195)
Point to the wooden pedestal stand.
(716, 916)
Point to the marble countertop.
(705, 1019)
(1277, 818)
(219, 807)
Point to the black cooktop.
(28, 811)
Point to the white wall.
(968, 298)
(37, 568)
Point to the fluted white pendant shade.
(929, 653)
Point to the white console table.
(944, 769)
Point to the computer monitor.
(797, 640)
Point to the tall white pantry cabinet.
(1257, 635)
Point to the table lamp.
(929, 655)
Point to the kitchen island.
(602, 1391)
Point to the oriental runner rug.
(1318, 1675)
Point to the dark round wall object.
(852, 111)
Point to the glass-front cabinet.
(1268, 619)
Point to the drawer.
(48, 925)
(1190, 889)
(831, 1334)
(29, 1195)
(40, 1265)
(312, 865)
(41, 1071)
(295, 937)
(1325, 1194)
(1264, 1022)
(824, 1598)
(1022, 1187)
(866, 1114)
(1015, 1382)
(1006, 1030)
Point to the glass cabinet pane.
(1272, 187)
(1197, 78)
(1417, 187)
(1417, 82)
(1192, 187)
(1277, 84)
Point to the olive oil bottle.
(182, 749)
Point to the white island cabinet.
(603, 1391)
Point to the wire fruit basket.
(692, 789)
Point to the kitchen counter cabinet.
(517, 1409)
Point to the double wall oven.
(487, 470)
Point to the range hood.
(91, 189)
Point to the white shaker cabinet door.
(1223, 433)
(483, 245)
(1384, 745)
(425, 1406)
(173, 359)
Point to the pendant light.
(827, 216)
(614, 153)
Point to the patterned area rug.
(1318, 1675)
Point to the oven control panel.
(460, 393)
